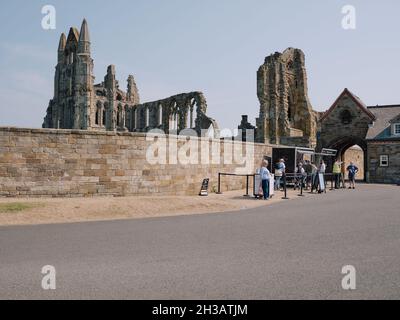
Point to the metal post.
(284, 187)
(219, 184)
(301, 187)
(247, 186)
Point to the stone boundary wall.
(73, 163)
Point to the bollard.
(247, 186)
(301, 188)
(284, 187)
(219, 184)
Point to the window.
(97, 117)
(147, 117)
(384, 161)
(397, 129)
(103, 119)
(346, 117)
(160, 115)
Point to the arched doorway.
(352, 149)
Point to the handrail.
(235, 175)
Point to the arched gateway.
(350, 122)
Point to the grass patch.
(18, 206)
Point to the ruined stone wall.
(173, 114)
(72, 163)
(284, 104)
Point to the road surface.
(289, 250)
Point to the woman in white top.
(265, 177)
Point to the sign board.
(257, 185)
(321, 182)
(272, 185)
(329, 152)
(204, 188)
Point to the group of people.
(306, 175)
(352, 173)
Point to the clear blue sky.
(214, 46)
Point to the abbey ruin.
(94, 140)
(79, 103)
(286, 115)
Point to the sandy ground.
(67, 210)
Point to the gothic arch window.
(99, 113)
(135, 118)
(193, 113)
(119, 116)
(147, 117)
(119, 97)
(160, 115)
(103, 118)
(127, 116)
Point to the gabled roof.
(357, 101)
(381, 127)
(396, 118)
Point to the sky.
(213, 46)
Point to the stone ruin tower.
(73, 83)
(81, 104)
(286, 115)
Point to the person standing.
(265, 177)
(314, 177)
(300, 176)
(279, 172)
(337, 173)
(321, 170)
(322, 167)
(353, 170)
(308, 170)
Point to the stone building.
(287, 118)
(286, 115)
(376, 129)
(79, 103)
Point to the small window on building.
(397, 129)
(384, 160)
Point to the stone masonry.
(80, 104)
(286, 114)
(74, 163)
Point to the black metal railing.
(220, 174)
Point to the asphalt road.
(290, 250)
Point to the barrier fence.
(235, 175)
(300, 181)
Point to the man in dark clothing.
(353, 170)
